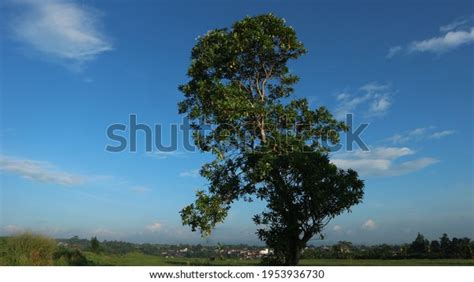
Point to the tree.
(435, 248)
(342, 250)
(303, 191)
(461, 248)
(383, 251)
(267, 145)
(95, 245)
(445, 245)
(419, 246)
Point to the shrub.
(68, 256)
(29, 249)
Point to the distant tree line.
(31, 249)
(422, 248)
(121, 248)
(444, 248)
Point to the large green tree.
(268, 146)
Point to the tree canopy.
(268, 146)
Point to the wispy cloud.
(441, 134)
(369, 225)
(461, 22)
(190, 173)
(419, 134)
(154, 227)
(443, 43)
(381, 161)
(415, 134)
(61, 30)
(160, 155)
(12, 229)
(393, 51)
(39, 171)
(453, 35)
(104, 233)
(45, 172)
(374, 99)
(382, 153)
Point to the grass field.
(138, 259)
(24, 250)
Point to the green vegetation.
(268, 145)
(68, 256)
(142, 259)
(137, 259)
(420, 248)
(381, 262)
(30, 249)
(95, 245)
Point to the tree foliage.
(95, 245)
(457, 248)
(420, 245)
(69, 256)
(267, 145)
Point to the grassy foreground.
(30, 249)
(139, 259)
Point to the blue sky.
(69, 69)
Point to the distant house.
(264, 252)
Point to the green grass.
(139, 259)
(393, 262)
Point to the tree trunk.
(293, 257)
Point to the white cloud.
(418, 131)
(61, 30)
(12, 229)
(443, 43)
(413, 165)
(348, 103)
(373, 98)
(337, 228)
(453, 35)
(441, 134)
(154, 227)
(364, 167)
(369, 225)
(104, 232)
(39, 171)
(389, 153)
(164, 155)
(415, 134)
(374, 88)
(393, 51)
(342, 96)
(381, 161)
(42, 171)
(458, 23)
(419, 134)
(190, 173)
